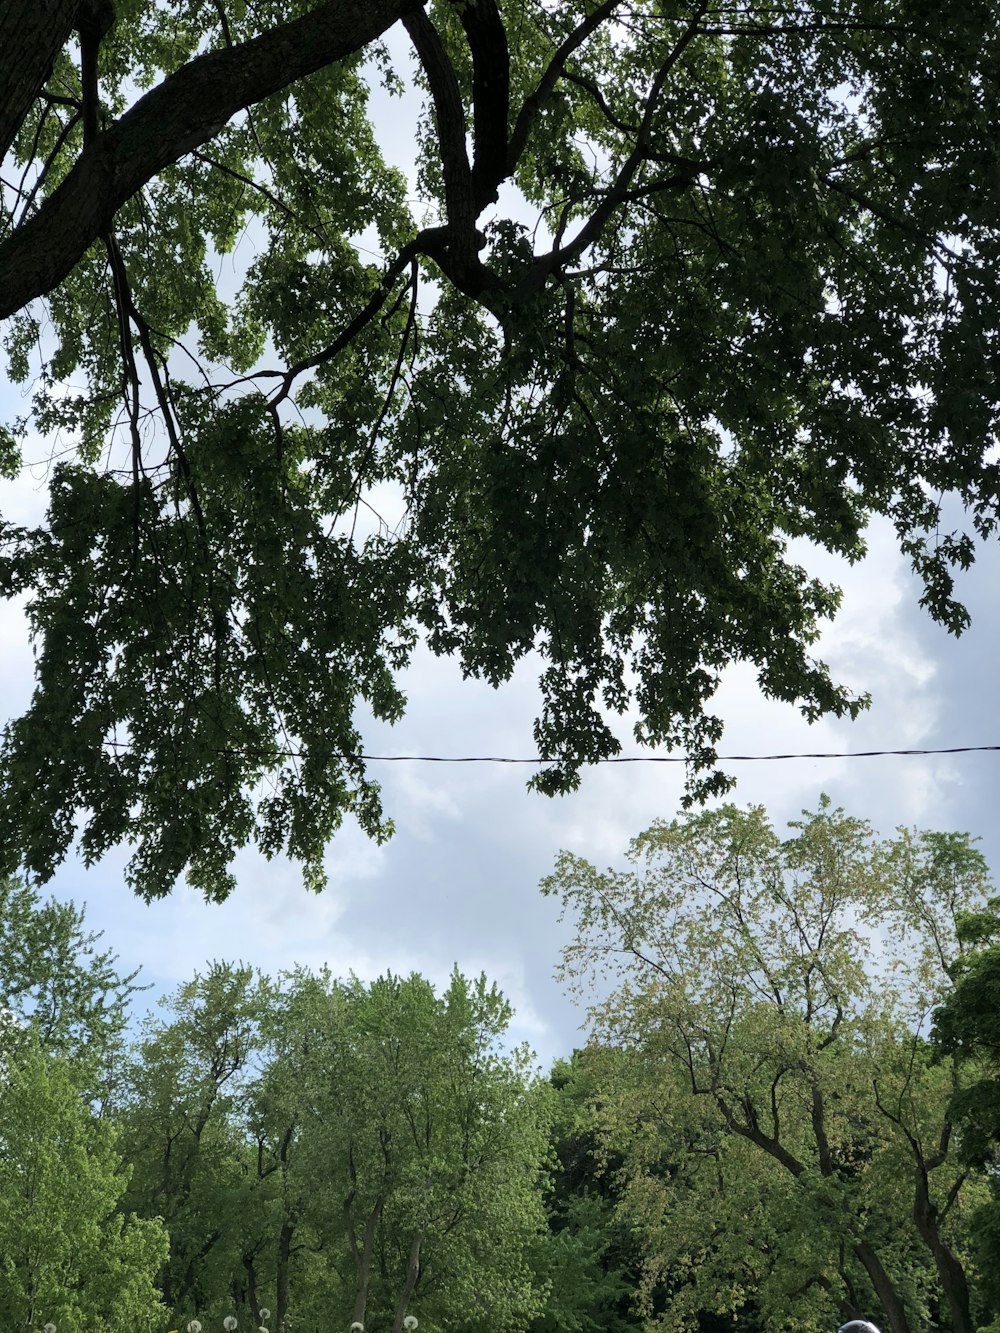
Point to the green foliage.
(57, 982)
(786, 1136)
(316, 1146)
(760, 303)
(589, 1262)
(69, 1258)
(70, 1253)
(967, 1028)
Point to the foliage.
(967, 1028)
(54, 978)
(589, 1260)
(316, 1146)
(68, 1254)
(787, 1136)
(181, 1115)
(750, 294)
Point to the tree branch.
(534, 103)
(179, 115)
(459, 256)
(32, 33)
(487, 40)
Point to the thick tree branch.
(487, 40)
(32, 33)
(460, 258)
(183, 112)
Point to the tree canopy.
(339, 1153)
(788, 1138)
(756, 1137)
(682, 281)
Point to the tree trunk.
(251, 1288)
(281, 1279)
(950, 1272)
(884, 1290)
(412, 1273)
(363, 1262)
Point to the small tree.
(68, 1255)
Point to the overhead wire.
(666, 758)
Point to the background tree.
(56, 979)
(590, 1261)
(417, 1151)
(337, 1151)
(967, 1028)
(182, 1115)
(752, 308)
(790, 1134)
(71, 1253)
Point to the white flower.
(229, 1323)
(265, 1314)
(357, 1327)
(410, 1322)
(46, 1328)
(194, 1326)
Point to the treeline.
(787, 1114)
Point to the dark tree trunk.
(884, 1290)
(950, 1272)
(363, 1262)
(281, 1280)
(251, 1287)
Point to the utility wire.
(537, 760)
(662, 758)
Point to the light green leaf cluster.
(68, 1256)
(785, 1133)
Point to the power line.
(536, 760)
(662, 758)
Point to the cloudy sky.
(459, 882)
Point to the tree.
(55, 980)
(182, 1115)
(590, 1261)
(411, 1147)
(339, 1152)
(789, 1136)
(967, 1028)
(69, 1256)
(759, 301)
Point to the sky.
(458, 884)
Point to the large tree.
(339, 1153)
(757, 300)
(788, 1138)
